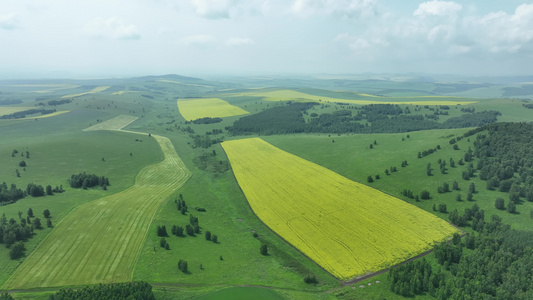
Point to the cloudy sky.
(95, 38)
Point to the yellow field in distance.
(183, 83)
(7, 110)
(10, 110)
(290, 95)
(56, 113)
(93, 91)
(346, 227)
(192, 109)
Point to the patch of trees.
(191, 229)
(208, 161)
(130, 290)
(495, 268)
(287, 118)
(59, 102)
(426, 152)
(85, 181)
(22, 114)
(10, 194)
(505, 159)
(204, 141)
(13, 234)
(380, 118)
(473, 120)
(206, 120)
(530, 106)
(147, 96)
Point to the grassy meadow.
(110, 236)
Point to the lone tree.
(500, 203)
(22, 164)
(263, 249)
(182, 266)
(208, 235)
(17, 250)
(46, 213)
(37, 223)
(162, 230)
(30, 212)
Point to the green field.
(111, 230)
(131, 131)
(243, 293)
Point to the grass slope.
(101, 240)
(347, 228)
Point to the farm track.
(100, 241)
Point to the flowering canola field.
(192, 109)
(366, 99)
(347, 228)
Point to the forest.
(375, 118)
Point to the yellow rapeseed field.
(346, 227)
(93, 91)
(7, 110)
(290, 95)
(192, 109)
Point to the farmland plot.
(93, 91)
(100, 241)
(366, 99)
(347, 228)
(192, 109)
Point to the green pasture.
(108, 236)
(53, 159)
(242, 293)
(108, 232)
(229, 217)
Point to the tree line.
(11, 194)
(129, 290)
(22, 114)
(290, 118)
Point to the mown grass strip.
(99, 242)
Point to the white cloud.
(236, 41)
(213, 9)
(201, 39)
(338, 8)
(9, 22)
(437, 8)
(112, 28)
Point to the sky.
(120, 38)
